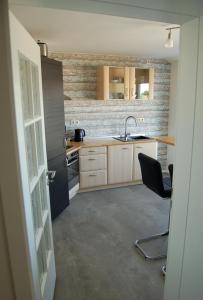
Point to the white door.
(120, 163)
(26, 68)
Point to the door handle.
(50, 176)
(51, 173)
(72, 162)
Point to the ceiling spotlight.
(169, 42)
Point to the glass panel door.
(144, 83)
(116, 83)
(36, 166)
(35, 251)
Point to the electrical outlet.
(140, 120)
(74, 122)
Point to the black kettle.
(79, 134)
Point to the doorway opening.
(106, 197)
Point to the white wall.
(176, 12)
(192, 270)
(181, 198)
(6, 287)
(172, 123)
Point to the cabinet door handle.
(125, 148)
(91, 158)
(91, 151)
(92, 175)
(138, 147)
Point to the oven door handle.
(72, 162)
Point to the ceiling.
(70, 31)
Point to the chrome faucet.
(126, 121)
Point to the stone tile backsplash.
(104, 118)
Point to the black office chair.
(170, 168)
(153, 178)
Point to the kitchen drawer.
(93, 178)
(93, 150)
(93, 162)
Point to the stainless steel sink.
(132, 138)
(139, 137)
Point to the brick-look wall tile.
(100, 117)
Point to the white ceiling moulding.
(158, 10)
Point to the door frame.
(188, 78)
(9, 160)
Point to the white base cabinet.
(93, 167)
(149, 149)
(120, 163)
(93, 178)
(115, 164)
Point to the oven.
(73, 173)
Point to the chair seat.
(167, 186)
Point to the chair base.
(153, 237)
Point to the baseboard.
(73, 191)
(109, 186)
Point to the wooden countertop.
(101, 142)
(169, 140)
(109, 141)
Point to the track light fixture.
(169, 42)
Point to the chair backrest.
(152, 174)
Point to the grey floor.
(93, 239)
